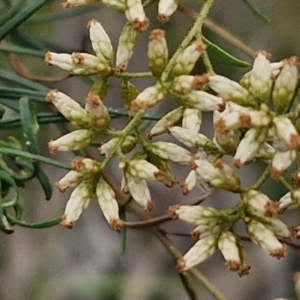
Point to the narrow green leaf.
(39, 225)
(42, 118)
(232, 59)
(257, 12)
(30, 128)
(34, 157)
(2, 225)
(17, 80)
(21, 50)
(22, 15)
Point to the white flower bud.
(107, 201)
(202, 101)
(192, 119)
(163, 165)
(285, 85)
(127, 41)
(259, 204)
(249, 145)
(233, 252)
(286, 131)
(97, 112)
(191, 138)
(187, 59)
(135, 14)
(166, 8)
(290, 199)
(260, 81)
(264, 238)
(75, 140)
(139, 191)
(230, 90)
(202, 250)
(90, 64)
(184, 84)
(244, 119)
(192, 181)
(157, 52)
(78, 202)
(100, 41)
(281, 161)
(71, 179)
(218, 175)
(69, 108)
(148, 98)
(277, 227)
(199, 215)
(142, 169)
(172, 152)
(85, 166)
(170, 119)
(126, 146)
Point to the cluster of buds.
(213, 233)
(133, 9)
(245, 127)
(88, 184)
(269, 136)
(136, 171)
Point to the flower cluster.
(251, 120)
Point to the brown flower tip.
(219, 164)
(271, 209)
(138, 106)
(295, 179)
(195, 235)
(115, 224)
(244, 271)
(77, 164)
(220, 126)
(120, 68)
(245, 119)
(184, 189)
(61, 188)
(264, 53)
(139, 25)
(199, 81)
(91, 22)
(276, 173)
(200, 46)
(78, 58)
(47, 57)
(50, 95)
(233, 265)
(159, 176)
(149, 206)
(181, 266)
(156, 34)
(66, 223)
(53, 149)
(294, 142)
(172, 212)
(93, 100)
(237, 163)
(163, 18)
(279, 252)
